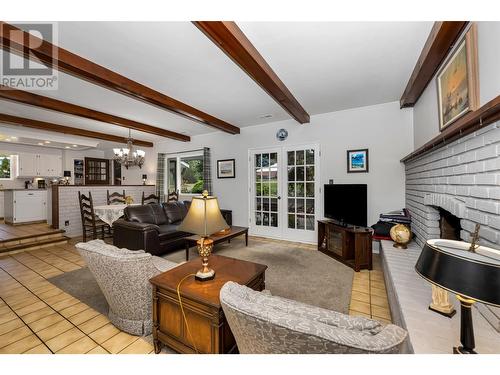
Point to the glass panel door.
(301, 192)
(265, 192)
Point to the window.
(5, 167)
(185, 174)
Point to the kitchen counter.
(21, 189)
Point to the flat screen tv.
(346, 203)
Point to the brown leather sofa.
(151, 227)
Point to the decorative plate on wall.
(281, 135)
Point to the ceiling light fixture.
(75, 146)
(127, 156)
(46, 141)
(67, 147)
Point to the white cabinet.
(28, 165)
(39, 165)
(23, 206)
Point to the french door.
(284, 191)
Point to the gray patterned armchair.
(123, 276)
(265, 324)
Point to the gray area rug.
(294, 272)
(81, 284)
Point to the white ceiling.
(327, 66)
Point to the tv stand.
(349, 244)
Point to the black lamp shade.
(144, 176)
(67, 173)
(450, 265)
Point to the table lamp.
(204, 218)
(470, 271)
(67, 176)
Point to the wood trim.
(55, 207)
(441, 40)
(77, 66)
(45, 102)
(232, 41)
(48, 126)
(472, 121)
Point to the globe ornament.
(401, 235)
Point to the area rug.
(294, 271)
(82, 285)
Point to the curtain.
(207, 172)
(160, 177)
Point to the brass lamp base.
(205, 246)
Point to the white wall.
(425, 112)
(384, 129)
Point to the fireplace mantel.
(471, 122)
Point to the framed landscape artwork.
(357, 161)
(457, 81)
(226, 168)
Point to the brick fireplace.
(463, 179)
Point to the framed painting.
(357, 161)
(226, 168)
(457, 81)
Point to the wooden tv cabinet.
(348, 244)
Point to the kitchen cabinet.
(25, 206)
(39, 165)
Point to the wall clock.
(281, 135)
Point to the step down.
(60, 240)
(56, 233)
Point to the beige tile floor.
(38, 317)
(369, 296)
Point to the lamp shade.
(204, 217)
(67, 174)
(449, 265)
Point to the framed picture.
(457, 81)
(357, 161)
(226, 168)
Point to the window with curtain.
(185, 173)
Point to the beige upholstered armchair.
(266, 324)
(123, 276)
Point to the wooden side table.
(200, 300)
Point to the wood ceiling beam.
(48, 126)
(441, 40)
(30, 46)
(45, 102)
(233, 42)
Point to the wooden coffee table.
(219, 237)
(200, 300)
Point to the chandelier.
(127, 156)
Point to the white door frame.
(299, 236)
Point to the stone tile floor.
(369, 296)
(38, 317)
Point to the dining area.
(97, 220)
(103, 205)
